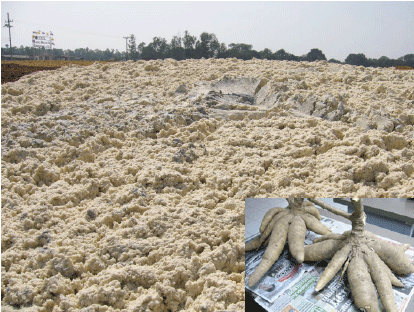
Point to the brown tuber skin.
(284, 224)
(370, 261)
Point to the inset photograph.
(329, 254)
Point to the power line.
(9, 26)
(63, 28)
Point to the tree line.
(81, 53)
(206, 46)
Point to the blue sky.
(337, 28)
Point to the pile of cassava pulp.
(123, 184)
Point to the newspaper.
(289, 286)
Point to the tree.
(146, 52)
(242, 51)
(283, 55)
(107, 54)
(176, 42)
(266, 54)
(240, 47)
(159, 47)
(28, 51)
(384, 61)
(119, 55)
(334, 61)
(189, 45)
(97, 55)
(20, 51)
(140, 49)
(132, 47)
(207, 46)
(357, 59)
(409, 60)
(315, 55)
(60, 52)
(280, 55)
(177, 52)
(222, 52)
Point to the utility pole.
(9, 26)
(126, 47)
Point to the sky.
(337, 28)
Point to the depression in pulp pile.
(123, 184)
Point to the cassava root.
(371, 262)
(284, 224)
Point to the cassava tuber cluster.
(368, 261)
(281, 224)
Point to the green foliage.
(334, 61)
(408, 60)
(189, 45)
(177, 50)
(160, 47)
(266, 54)
(132, 48)
(207, 46)
(157, 49)
(240, 47)
(357, 59)
(315, 55)
(222, 51)
(361, 60)
(283, 55)
(242, 51)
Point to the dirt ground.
(14, 70)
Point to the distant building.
(46, 56)
(65, 58)
(50, 57)
(16, 57)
